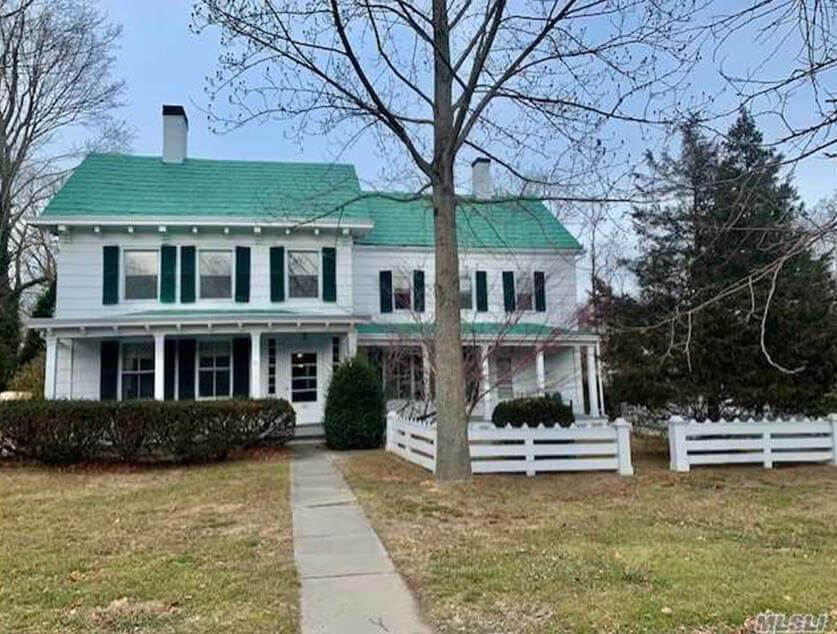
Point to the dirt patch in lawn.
(596, 552)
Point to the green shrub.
(354, 411)
(533, 411)
(29, 378)
(61, 432)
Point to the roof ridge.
(189, 159)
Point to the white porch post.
(578, 401)
(592, 384)
(485, 376)
(256, 364)
(159, 366)
(50, 364)
(540, 372)
(599, 378)
(351, 342)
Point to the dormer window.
(141, 272)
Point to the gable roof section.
(127, 186)
(402, 219)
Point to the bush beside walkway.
(660, 552)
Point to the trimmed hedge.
(63, 432)
(533, 411)
(355, 407)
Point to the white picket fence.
(528, 450)
(792, 440)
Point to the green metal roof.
(125, 185)
(121, 185)
(468, 329)
(403, 219)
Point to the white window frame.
(523, 276)
(316, 376)
(470, 277)
(319, 256)
(123, 277)
(122, 370)
(198, 293)
(215, 397)
(272, 365)
(505, 382)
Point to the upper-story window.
(303, 274)
(401, 290)
(141, 268)
(466, 291)
(524, 287)
(216, 270)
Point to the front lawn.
(193, 549)
(659, 552)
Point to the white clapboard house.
(185, 278)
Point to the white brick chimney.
(175, 132)
(482, 187)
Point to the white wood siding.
(77, 369)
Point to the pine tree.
(686, 339)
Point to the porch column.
(592, 383)
(50, 364)
(256, 364)
(159, 366)
(351, 342)
(578, 378)
(540, 372)
(599, 378)
(485, 376)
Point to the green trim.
(242, 274)
(110, 275)
(108, 370)
(418, 291)
(168, 274)
(540, 291)
(241, 367)
(482, 292)
(186, 351)
(329, 274)
(169, 374)
(508, 291)
(468, 329)
(277, 274)
(385, 290)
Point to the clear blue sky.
(162, 61)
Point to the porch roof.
(479, 330)
(202, 319)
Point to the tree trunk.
(453, 458)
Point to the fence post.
(677, 444)
(390, 446)
(833, 419)
(623, 446)
(767, 449)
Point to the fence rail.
(739, 442)
(528, 450)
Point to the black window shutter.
(482, 291)
(540, 291)
(110, 275)
(508, 291)
(329, 274)
(242, 274)
(241, 367)
(186, 369)
(277, 274)
(168, 278)
(187, 274)
(170, 353)
(108, 370)
(385, 287)
(418, 291)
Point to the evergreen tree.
(687, 339)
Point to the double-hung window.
(303, 274)
(402, 292)
(137, 371)
(141, 271)
(524, 287)
(505, 382)
(466, 291)
(214, 369)
(216, 270)
(405, 374)
(303, 377)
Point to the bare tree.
(529, 84)
(56, 59)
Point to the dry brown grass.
(116, 549)
(659, 552)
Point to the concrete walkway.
(348, 582)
